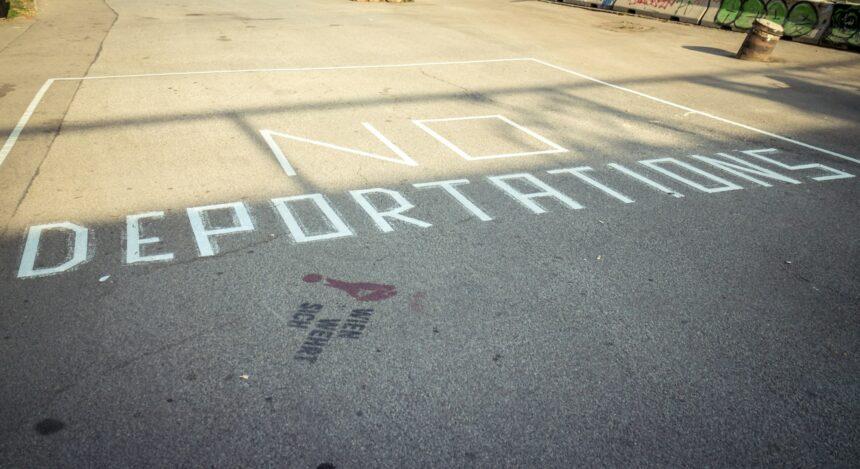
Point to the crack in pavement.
(59, 129)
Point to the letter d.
(31, 249)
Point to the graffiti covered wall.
(604, 4)
(829, 23)
(687, 11)
(803, 20)
(844, 27)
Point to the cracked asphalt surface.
(606, 278)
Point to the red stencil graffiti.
(361, 291)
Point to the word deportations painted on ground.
(761, 167)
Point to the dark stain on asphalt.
(49, 426)
(625, 27)
(6, 88)
(326, 465)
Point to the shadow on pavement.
(711, 50)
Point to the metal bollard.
(760, 41)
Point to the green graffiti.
(844, 26)
(728, 11)
(750, 10)
(776, 11)
(682, 6)
(801, 19)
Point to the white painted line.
(13, 137)
(555, 148)
(79, 246)
(16, 132)
(403, 158)
(526, 198)
(9, 144)
(206, 244)
(302, 69)
(701, 113)
(396, 213)
(726, 185)
(834, 173)
(297, 231)
(744, 169)
(578, 172)
(448, 186)
(648, 182)
(276, 150)
(134, 243)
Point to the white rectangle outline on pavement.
(28, 113)
(555, 148)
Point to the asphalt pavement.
(317, 233)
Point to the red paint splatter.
(361, 291)
(312, 278)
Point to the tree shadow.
(610, 125)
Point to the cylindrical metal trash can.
(760, 40)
